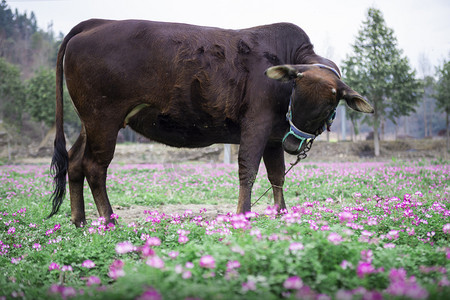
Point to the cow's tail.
(60, 159)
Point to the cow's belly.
(184, 132)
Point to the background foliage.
(377, 69)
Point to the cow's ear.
(354, 100)
(283, 73)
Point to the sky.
(422, 27)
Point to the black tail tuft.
(58, 170)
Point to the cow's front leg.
(250, 154)
(274, 162)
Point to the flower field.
(369, 230)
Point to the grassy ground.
(353, 230)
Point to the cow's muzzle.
(294, 144)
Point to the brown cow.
(191, 86)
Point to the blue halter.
(305, 137)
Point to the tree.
(12, 96)
(443, 95)
(41, 96)
(40, 101)
(379, 71)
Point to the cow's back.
(187, 75)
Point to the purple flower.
(293, 283)
(446, 228)
(88, 264)
(207, 262)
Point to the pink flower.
(66, 268)
(293, 283)
(117, 264)
(116, 273)
(335, 238)
(147, 251)
(233, 264)
(207, 262)
(186, 274)
(410, 231)
(446, 228)
(150, 294)
(67, 292)
(346, 264)
(248, 286)
(173, 254)
(53, 266)
(367, 255)
(88, 264)
(155, 262)
(93, 280)
(183, 239)
(295, 246)
(153, 241)
(401, 285)
(345, 216)
(37, 246)
(364, 268)
(124, 247)
(392, 234)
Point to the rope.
(300, 156)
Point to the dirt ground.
(321, 151)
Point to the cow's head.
(317, 90)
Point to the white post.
(343, 123)
(227, 154)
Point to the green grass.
(356, 230)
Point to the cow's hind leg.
(274, 162)
(76, 180)
(100, 146)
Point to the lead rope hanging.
(300, 156)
